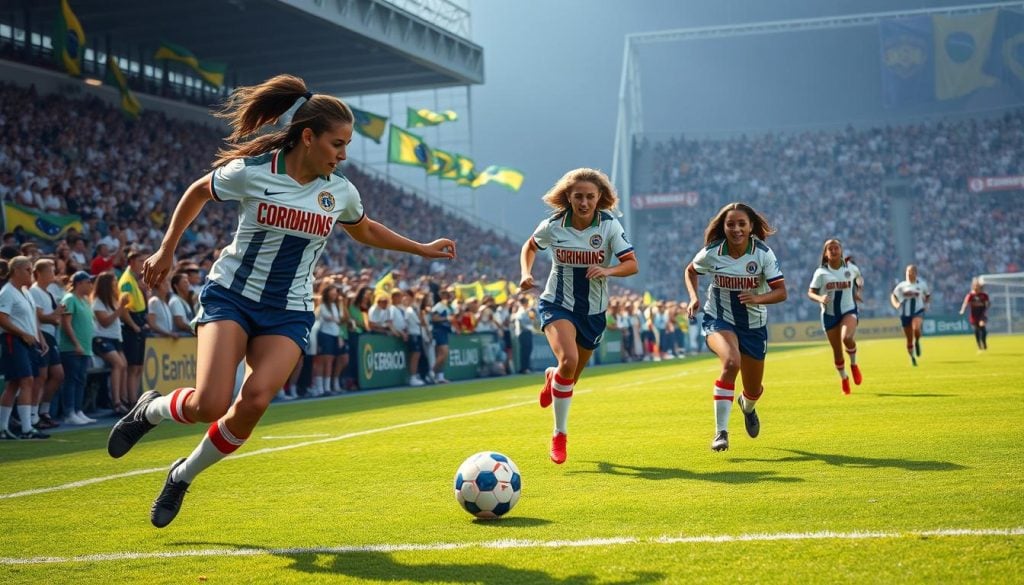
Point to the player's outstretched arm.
(157, 266)
(378, 235)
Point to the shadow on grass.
(378, 566)
(918, 395)
(860, 462)
(661, 473)
(511, 522)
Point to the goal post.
(1006, 293)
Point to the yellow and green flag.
(385, 283)
(405, 148)
(69, 40)
(38, 224)
(129, 103)
(504, 176)
(211, 71)
(443, 165)
(648, 298)
(425, 117)
(473, 290)
(369, 125)
(497, 289)
(465, 173)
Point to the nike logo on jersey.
(269, 193)
(717, 267)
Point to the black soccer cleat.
(168, 503)
(721, 441)
(917, 348)
(33, 433)
(751, 421)
(131, 427)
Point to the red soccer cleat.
(857, 377)
(846, 385)
(545, 394)
(558, 448)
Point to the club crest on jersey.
(326, 200)
(751, 267)
(847, 274)
(595, 241)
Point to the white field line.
(512, 543)
(273, 437)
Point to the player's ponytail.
(250, 108)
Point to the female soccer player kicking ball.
(745, 276)
(583, 237)
(258, 304)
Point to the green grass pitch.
(914, 478)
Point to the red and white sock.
(853, 355)
(841, 368)
(746, 402)
(171, 406)
(217, 444)
(561, 391)
(723, 394)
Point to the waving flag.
(38, 224)
(369, 125)
(406, 148)
(444, 165)
(504, 176)
(69, 40)
(211, 71)
(425, 117)
(129, 103)
(466, 174)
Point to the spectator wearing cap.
(134, 323)
(23, 348)
(45, 293)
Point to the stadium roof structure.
(341, 47)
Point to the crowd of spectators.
(818, 185)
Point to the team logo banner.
(989, 184)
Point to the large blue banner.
(908, 63)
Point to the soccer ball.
(487, 484)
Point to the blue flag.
(908, 62)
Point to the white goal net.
(1006, 293)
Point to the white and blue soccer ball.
(487, 484)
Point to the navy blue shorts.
(440, 335)
(414, 343)
(753, 342)
(326, 344)
(20, 360)
(832, 321)
(217, 303)
(906, 321)
(105, 345)
(589, 328)
(52, 357)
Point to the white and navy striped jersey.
(282, 229)
(912, 296)
(839, 284)
(752, 271)
(572, 252)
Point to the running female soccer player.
(835, 287)
(258, 303)
(745, 276)
(911, 298)
(978, 301)
(583, 237)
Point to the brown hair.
(716, 227)
(824, 248)
(558, 196)
(250, 108)
(105, 289)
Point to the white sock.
(723, 394)
(5, 416)
(35, 413)
(841, 368)
(561, 391)
(217, 443)
(171, 406)
(25, 414)
(853, 355)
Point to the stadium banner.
(663, 200)
(812, 331)
(992, 184)
(542, 357)
(169, 364)
(610, 350)
(38, 224)
(946, 325)
(466, 355)
(382, 361)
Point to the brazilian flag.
(425, 117)
(505, 176)
(465, 173)
(444, 165)
(38, 224)
(369, 125)
(69, 40)
(211, 71)
(405, 148)
(129, 103)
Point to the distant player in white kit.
(259, 301)
(583, 237)
(745, 276)
(911, 298)
(835, 287)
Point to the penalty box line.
(520, 544)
